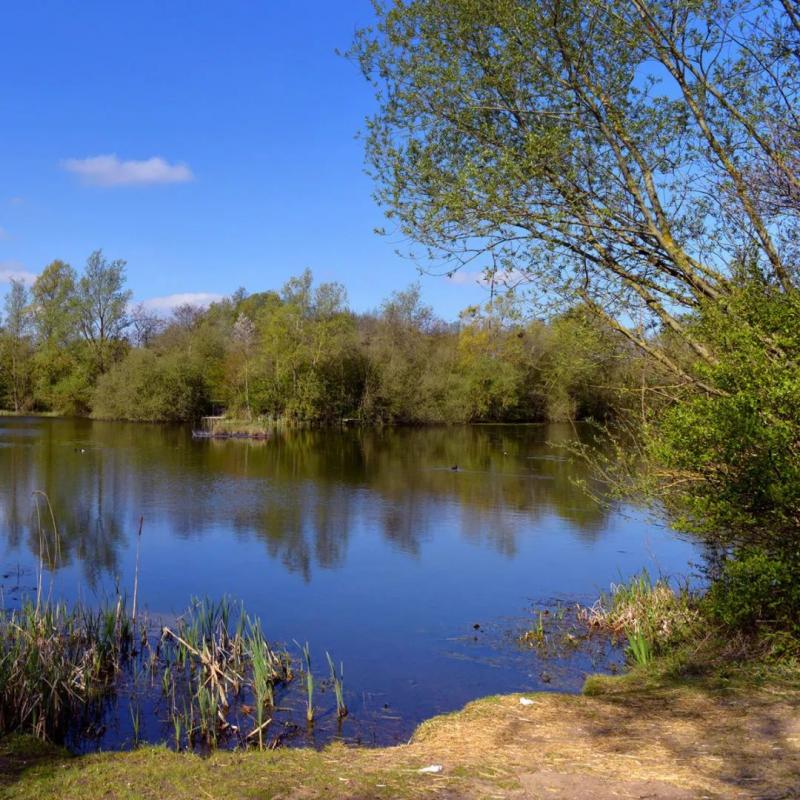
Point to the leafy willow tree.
(15, 344)
(101, 304)
(310, 362)
(55, 321)
(630, 155)
(615, 152)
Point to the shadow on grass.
(19, 753)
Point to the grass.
(676, 740)
(651, 615)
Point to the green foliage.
(757, 590)
(297, 355)
(731, 454)
(639, 649)
(55, 663)
(150, 387)
(578, 145)
(100, 303)
(652, 615)
(15, 348)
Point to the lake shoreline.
(320, 534)
(620, 742)
(243, 425)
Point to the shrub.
(730, 457)
(757, 590)
(149, 387)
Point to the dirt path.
(667, 744)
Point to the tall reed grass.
(212, 673)
(648, 614)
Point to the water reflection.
(363, 542)
(300, 493)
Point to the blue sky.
(211, 145)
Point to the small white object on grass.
(525, 701)
(432, 769)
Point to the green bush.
(149, 387)
(729, 454)
(757, 590)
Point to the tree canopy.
(628, 153)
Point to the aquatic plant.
(263, 679)
(643, 606)
(56, 663)
(639, 649)
(309, 685)
(337, 681)
(177, 725)
(135, 722)
(208, 710)
(59, 665)
(536, 635)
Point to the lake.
(415, 556)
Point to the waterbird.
(454, 468)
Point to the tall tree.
(56, 323)
(53, 304)
(613, 152)
(102, 306)
(16, 342)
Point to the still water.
(365, 543)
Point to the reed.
(642, 606)
(55, 664)
(309, 684)
(263, 679)
(49, 543)
(135, 722)
(337, 681)
(136, 572)
(59, 664)
(208, 710)
(639, 649)
(177, 727)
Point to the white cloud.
(465, 278)
(15, 201)
(502, 277)
(110, 171)
(15, 271)
(170, 301)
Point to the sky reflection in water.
(365, 543)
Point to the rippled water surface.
(366, 543)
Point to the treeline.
(72, 344)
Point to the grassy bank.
(692, 739)
(704, 713)
(707, 715)
(9, 413)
